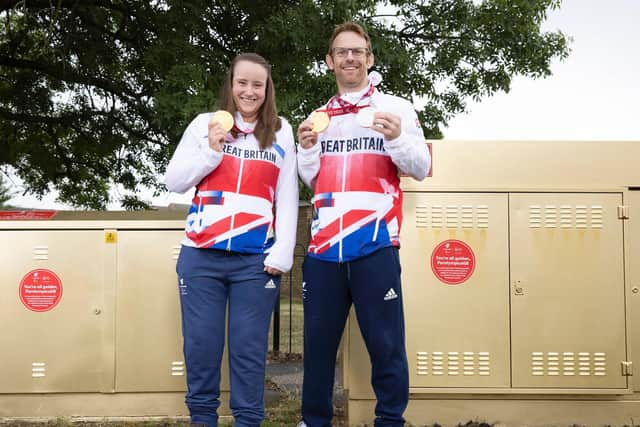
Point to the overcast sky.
(592, 95)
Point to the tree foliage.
(96, 93)
(5, 194)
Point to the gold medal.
(224, 118)
(320, 121)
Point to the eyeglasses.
(343, 52)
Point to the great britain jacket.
(237, 191)
(355, 174)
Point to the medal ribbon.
(345, 106)
(235, 131)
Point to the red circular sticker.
(40, 290)
(453, 262)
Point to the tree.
(96, 93)
(5, 194)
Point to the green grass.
(295, 319)
(285, 413)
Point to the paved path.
(288, 377)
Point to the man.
(353, 166)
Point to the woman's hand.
(272, 271)
(216, 136)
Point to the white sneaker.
(301, 424)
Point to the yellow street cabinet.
(521, 277)
(90, 315)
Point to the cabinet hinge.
(623, 212)
(627, 368)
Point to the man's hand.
(387, 124)
(307, 138)
(216, 136)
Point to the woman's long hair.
(268, 122)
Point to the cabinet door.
(51, 325)
(632, 240)
(455, 279)
(567, 290)
(148, 327)
(454, 257)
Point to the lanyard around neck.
(237, 130)
(347, 107)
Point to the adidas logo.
(183, 287)
(270, 284)
(391, 294)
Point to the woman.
(230, 255)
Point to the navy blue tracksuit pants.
(208, 280)
(372, 284)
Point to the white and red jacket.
(237, 190)
(354, 172)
